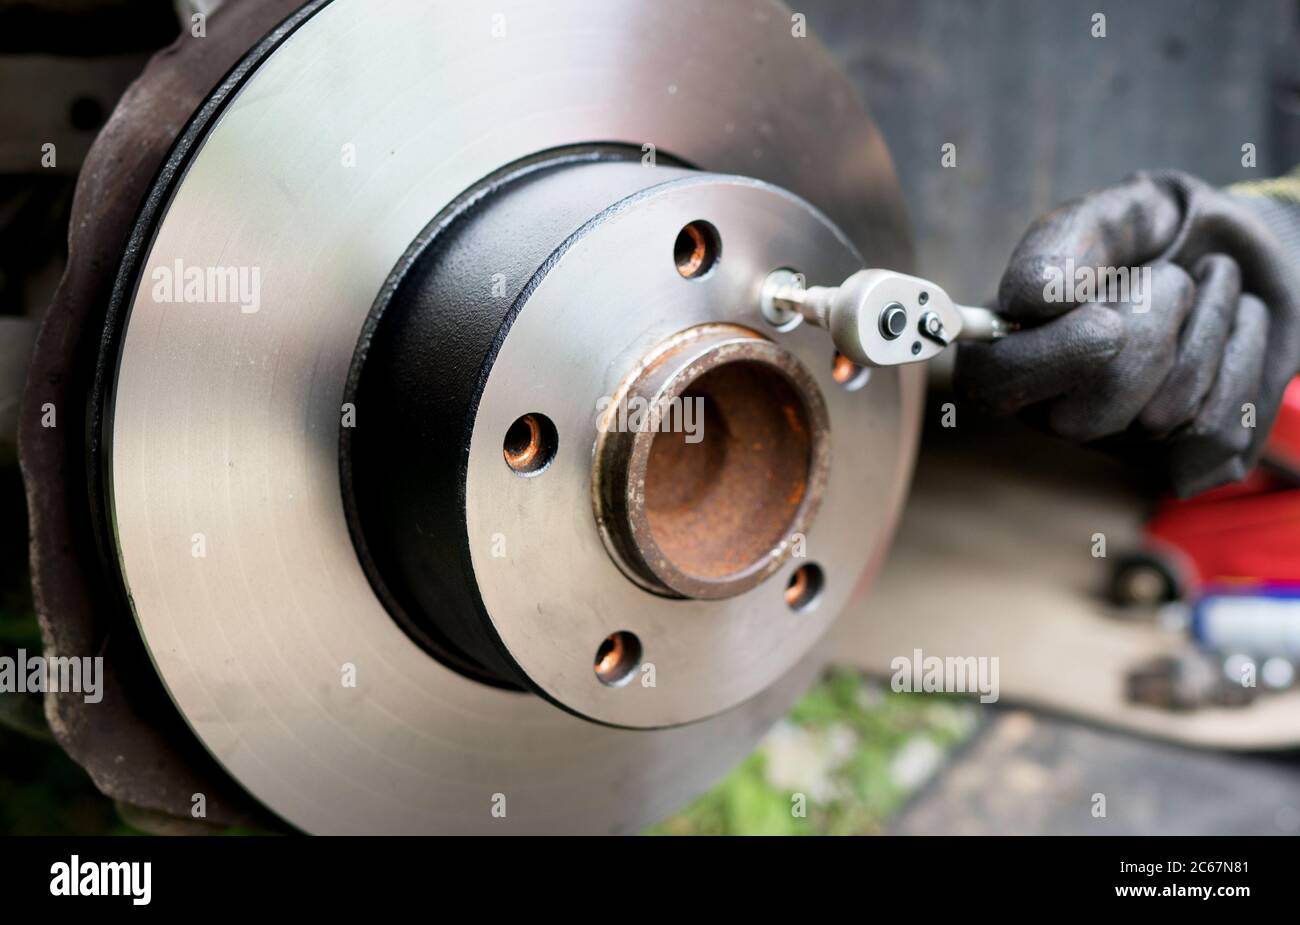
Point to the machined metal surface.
(134, 744)
(612, 297)
(225, 423)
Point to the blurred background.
(1039, 109)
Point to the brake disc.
(363, 509)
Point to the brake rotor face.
(224, 425)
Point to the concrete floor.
(1032, 774)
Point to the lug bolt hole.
(617, 658)
(696, 249)
(849, 374)
(804, 588)
(530, 444)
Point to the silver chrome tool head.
(883, 318)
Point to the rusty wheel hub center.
(711, 462)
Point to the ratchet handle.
(983, 324)
(880, 317)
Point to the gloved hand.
(1166, 371)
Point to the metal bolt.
(893, 321)
(931, 327)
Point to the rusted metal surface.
(797, 590)
(696, 249)
(525, 450)
(617, 658)
(845, 370)
(702, 496)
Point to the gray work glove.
(1170, 374)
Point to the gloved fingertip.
(1078, 419)
(1252, 315)
(1100, 328)
(1218, 271)
(1172, 290)
(1023, 292)
(1190, 480)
